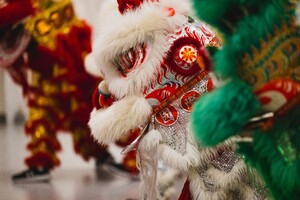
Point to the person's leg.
(43, 146)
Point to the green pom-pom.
(223, 113)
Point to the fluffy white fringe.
(123, 116)
(231, 179)
(166, 182)
(235, 180)
(177, 160)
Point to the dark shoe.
(103, 159)
(32, 175)
(109, 165)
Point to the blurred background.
(75, 178)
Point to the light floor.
(75, 179)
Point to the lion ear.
(91, 66)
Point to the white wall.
(14, 101)
(2, 104)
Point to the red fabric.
(50, 142)
(125, 5)
(95, 99)
(285, 86)
(31, 126)
(42, 159)
(41, 59)
(185, 192)
(129, 162)
(70, 48)
(14, 11)
(100, 100)
(124, 141)
(85, 145)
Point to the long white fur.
(231, 179)
(236, 179)
(108, 125)
(151, 140)
(177, 160)
(198, 188)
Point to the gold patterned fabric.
(278, 57)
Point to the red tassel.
(14, 11)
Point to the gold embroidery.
(276, 57)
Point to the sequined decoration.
(209, 184)
(175, 135)
(286, 147)
(259, 188)
(226, 161)
(261, 192)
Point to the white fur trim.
(198, 189)
(236, 180)
(177, 160)
(229, 180)
(108, 125)
(247, 192)
(167, 183)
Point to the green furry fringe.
(223, 113)
(276, 156)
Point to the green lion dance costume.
(258, 82)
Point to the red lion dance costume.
(154, 62)
(45, 39)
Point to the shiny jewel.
(188, 54)
(43, 27)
